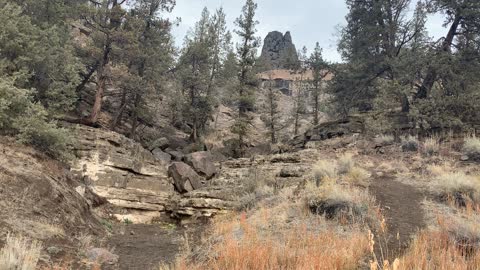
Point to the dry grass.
(358, 176)
(344, 203)
(431, 146)
(410, 144)
(471, 147)
(458, 187)
(384, 140)
(266, 239)
(453, 245)
(323, 170)
(19, 253)
(345, 163)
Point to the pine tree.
(246, 51)
(271, 111)
(104, 18)
(320, 70)
(299, 106)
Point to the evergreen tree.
(246, 51)
(299, 106)
(271, 112)
(147, 50)
(319, 70)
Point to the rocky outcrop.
(204, 203)
(184, 177)
(161, 156)
(203, 164)
(329, 130)
(121, 170)
(278, 51)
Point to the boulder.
(290, 172)
(329, 130)
(203, 164)
(161, 143)
(161, 156)
(176, 155)
(184, 177)
(101, 256)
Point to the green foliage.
(43, 56)
(246, 52)
(28, 120)
(444, 113)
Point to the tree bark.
(431, 77)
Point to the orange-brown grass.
(436, 250)
(283, 236)
(453, 245)
(297, 248)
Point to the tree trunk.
(135, 116)
(123, 106)
(315, 109)
(97, 105)
(431, 76)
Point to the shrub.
(324, 169)
(409, 144)
(345, 164)
(471, 147)
(336, 201)
(358, 176)
(19, 253)
(20, 116)
(384, 140)
(431, 146)
(459, 187)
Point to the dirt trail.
(401, 205)
(144, 247)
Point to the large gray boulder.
(203, 164)
(184, 177)
(161, 156)
(161, 143)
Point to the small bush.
(459, 187)
(431, 146)
(336, 201)
(19, 253)
(410, 144)
(384, 140)
(324, 169)
(358, 176)
(471, 147)
(345, 164)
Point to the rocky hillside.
(39, 201)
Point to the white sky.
(308, 21)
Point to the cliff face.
(278, 51)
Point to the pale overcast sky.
(308, 21)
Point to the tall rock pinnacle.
(278, 51)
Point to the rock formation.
(278, 51)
